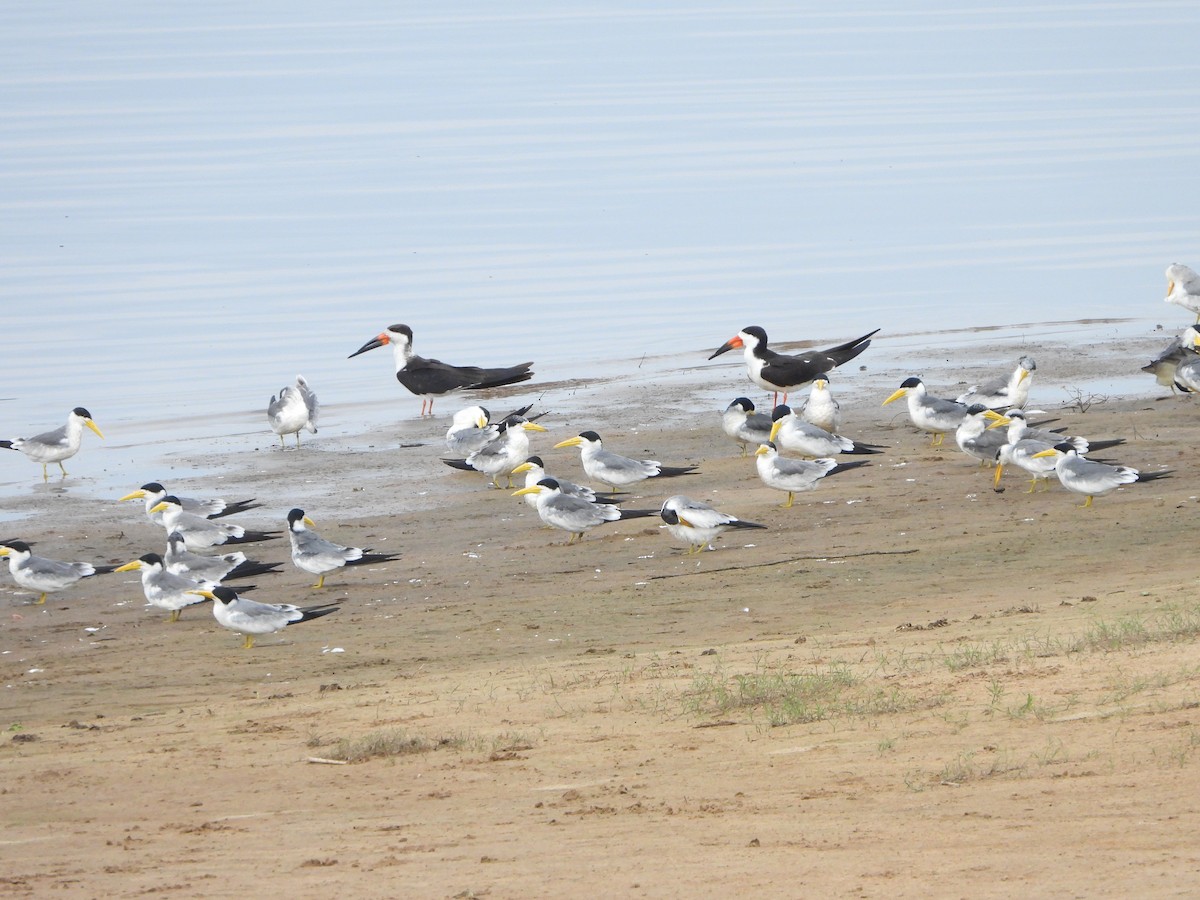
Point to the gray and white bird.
(57, 445)
(1005, 391)
(164, 589)
(974, 436)
(200, 533)
(791, 432)
(697, 523)
(795, 475)
(936, 415)
(179, 560)
(1179, 351)
(319, 557)
(1089, 477)
(1183, 288)
(153, 493)
(821, 409)
(534, 471)
(574, 514)
(615, 470)
(250, 618)
(294, 409)
(470, 429)
(1024, 454)
(504, 453)
(42, 574)
(744, 425)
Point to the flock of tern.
(988, 421)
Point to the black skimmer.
(780, 373)
(431, 378)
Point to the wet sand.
(908, 684)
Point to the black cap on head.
(224, 594)
(589, 435)
(910, 382)
(744, 402)
(151, 559)
(295, 515)
(80, 411)
(549, 483)
(780, 411)
(536, 461)
(153, 487)
(756, 331)
(19, 546)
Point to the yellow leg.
(41, 600)
(320, 583)
(1087, 502)
(743, 451)
(938, 438)
(1032, 485)
(45, 473)
(64, 471)
(788, 505)
(248, 642)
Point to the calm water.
(200, 202)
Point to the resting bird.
(432, 378)
(1183, 288)
(315, 555)
(1181, 350)
(1003, 392)
(1091, 478)
(821, 409)
(574, 514)
(179, 560)
(791, 432)
(795, 475)
(698, 523)
(249, 618)
(43, 575)
(976, 438)
(928, 413)
(534, 471)
(294, 409)
(57, 445)
(200, 533)
(744, 425)
(166, 590)
(154, 493)
(780, 373)
(615, 470)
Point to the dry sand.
(910, 685)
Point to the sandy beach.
(909, 684)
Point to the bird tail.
(740, 523)
(460, 464)
(843, 353)
(844, 466)
(103, 570)
(238, 506)
(1154, 476)
(1104, 445)
(7, 445)
(499, 377)
(249, 537)
(368, 559)
(250, 569)
(315, 612)
(863, 449)
(638, 513)
(673, 471)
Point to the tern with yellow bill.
(57, 445)
(250, 618)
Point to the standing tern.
(698, 523)
(1019, 429)
(500, 456)
(791, 432)
(574, 514)
(179, 560)
(250, 618)
(936, 415)
(294, 409)
(57, 445)
(615, 470)
(1004, 392)
(821, 409)
(200, 533)
(744, 425)
(795, 475)
(432, 378)
(1024, 453)
(1089, 477)
(43, 575)
(315, 555)
(153, 493)
(780, 373)
(164, 589)
(1183, 288)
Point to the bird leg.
(938, 438)
(1087, 502)
(1032, 485)
(788, 505)
(320, 583)
(64, 471)
(248, 642)
(41, 600)
(174, 617)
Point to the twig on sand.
(782, 562)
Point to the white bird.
(821, 409)
(1091, 478)
(936, 415)
(503, 454)
(250, 618)
(315, 555)
(57, 445)
(744, 425)
(791, 432)
(179, 560)
(1183, 288)
(293, 410)
(1005, 391)
(470, 429)
(1024, 453)
(200, 533)
(153, 493)
(165, 589)
(698, 523)
(574, 514)
(44, 575)
(534, 471)
(795, 475)
(615, 470)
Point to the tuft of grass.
(388, 744)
